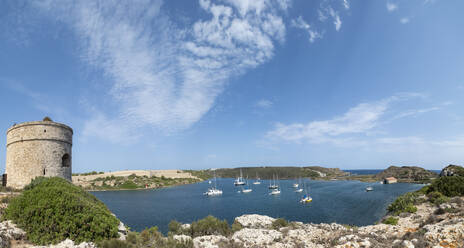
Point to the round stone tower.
(38, 148)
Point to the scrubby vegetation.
(390, 221)
(279, 223)
(404, 204)
(135, 182)
(88, 173)
(52, 209)
(207, 226)
(448, 186)
(283, 172)
(147, 238)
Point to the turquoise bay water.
(344, 202)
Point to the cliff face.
(430, 226)
(452, 170)
(407, 174)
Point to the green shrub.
(175, 227)
(52, 209)
(403, 204)
(210, 226)
(448, 186)
(128, 185)
(390, 221)
(279, 223)
(236, 226)
(115, 243)
(437, 198)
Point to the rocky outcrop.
(69, 244)
(430, 226)
(452, 170)
(255, 221)
(407, 174)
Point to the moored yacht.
(239, 181)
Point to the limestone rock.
(256, 237)
(255, 221)
(210, 241)
(182, 238)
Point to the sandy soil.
(149, 173)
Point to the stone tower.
(38, 148)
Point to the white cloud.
(404, 20)
(302, 24)
(360, 119)
(263, 103)
(336, 19)
(391, 7)
(346, 4)
(165, 77)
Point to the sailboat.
(298, 190)
(213, 190)
(239, 181)
(247, 189)
(295, 185)
(306, 198)
(257, 180)
(369, 188)
(273, 185)
(275, 188)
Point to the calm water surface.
(344, 202)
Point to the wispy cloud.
(302, 24)
(336, 19)
(391, 7)
(360, 119)
(163, 76)
(346, 4)
(264, 103)
(404, 20)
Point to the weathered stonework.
(39, 148)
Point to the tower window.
(66, 160)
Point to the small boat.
(295, 185)
(247, 189)
(239, 181)
(257, 180)
(299, 190)
(369, 188)
(273, 185)
(306, 198)
(213, 190)
(275, 192)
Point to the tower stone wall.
(39, 148)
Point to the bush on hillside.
(390, 221)
(279, 223)
(403, 204)
(437, 198)
(210, 226)
(51, 210)
(448, 186)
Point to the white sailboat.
(239, 181)
(298, 190)
(257, 180)
(275, 188)
(295, 185)
(247, 189)
(273, 185)
(213, 191)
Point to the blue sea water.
(344, 202)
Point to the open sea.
(344, 202)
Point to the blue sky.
(208, 84)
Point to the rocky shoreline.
(430, 226)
